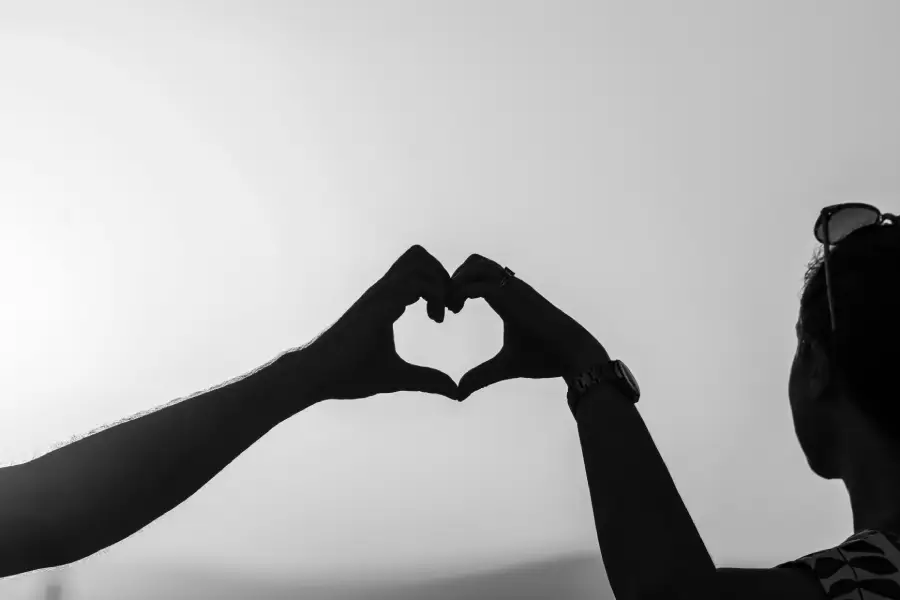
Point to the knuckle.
(410, 259)
(473, 260)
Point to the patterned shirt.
(866, 566)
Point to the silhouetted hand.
(539, 340)
(356, 357)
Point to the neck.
(869, 465)
(873, 483)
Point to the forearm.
(650, 546)
(102, 488)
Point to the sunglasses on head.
(834, 224)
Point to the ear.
(821, 369)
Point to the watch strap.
(582, 383)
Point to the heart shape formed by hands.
(357, 356)
(465, 340)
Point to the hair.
(865, 288)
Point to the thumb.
(416, 378)
(486, 374)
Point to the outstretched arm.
(90, 494)
(81, 498)
(650, 545)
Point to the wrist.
(583, 360)
(594, 356)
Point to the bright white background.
(189, 189)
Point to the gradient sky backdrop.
(189, 189)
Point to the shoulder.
(863, 567)
(778, 583)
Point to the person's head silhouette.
(846, 412)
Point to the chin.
(818, 449)
(824, 473)
(822, 464)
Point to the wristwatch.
(613, 371)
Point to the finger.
(477, 277)
(475, 267)
(460, 293)
(486, 374)
(416, 378)
(430, 269)
(417, 274)
(420, 285)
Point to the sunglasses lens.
(846, 221)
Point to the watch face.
(630, 377)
